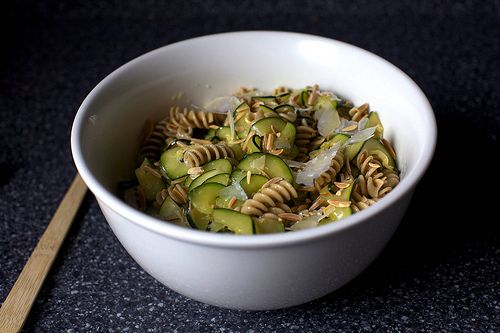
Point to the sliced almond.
(339, 203)
(341, 185)
(350, 128)
(290, 217)
(195, 170)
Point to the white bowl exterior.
(263, 278)
(258, 272)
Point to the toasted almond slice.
(339, 203)
(249, 177)
(350, 128)
(195, 170)
(232, 202)
(290, 217)
(374, 165)
(341, 185)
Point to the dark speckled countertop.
(437, 274)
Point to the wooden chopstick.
(19, 301)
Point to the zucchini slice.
(203, 177)
(283, 97)
(340, 212)
(266, 164)
(222, 178)
(284, 108)
(340, 138)
(172, 163)
(374, 121)
(224, 133)
(265, 99)
(375, 147)
(256, 182)
(352, 150)
(198, 220)
(170, 211)
(266, 125)
(203, 197)
(255, 145)
(268, 226)
(148, 181)
(236, 222)
(221, 164)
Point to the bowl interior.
(109, 124)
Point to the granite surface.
(436, 274)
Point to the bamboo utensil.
(19, 301)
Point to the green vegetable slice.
(266, 126)
(266, 164)
(203, 197)
(268, 226)
(172, 163)
(149, 182)
(256, 182)
(236, 222)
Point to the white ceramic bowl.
(249, 272)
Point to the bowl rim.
(173, 231)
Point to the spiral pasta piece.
(373, 182)
(360, 202)
(305, 132)
(197, 155)
(154, 141)
(275, 191)
(329, 175)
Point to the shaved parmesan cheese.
(362, 136)
(223, 104)
(328, 122)
(233, 190)
(307, 222)
(315, 167)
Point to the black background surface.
(438, 273)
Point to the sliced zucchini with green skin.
(170, 211)
(148, 181)
(237, 150)
(288, 133)
(266, 125)
(265, 99)
(210, 134)
(203, 197)
(203, 177)
(375, 147)
(325, 102)
(255, 145)
(220, 164)
(242, 107)
(216, 227)
(339, 213)
(224, 203)
(222, 178)
(284, 108)
(294, 152)
(256, 182)
(338, 138)
(237, 222)
(283, 97)
(224, 133)
(242, 127)
(189, 180)
(198, 220)
(352, 150)
(374, 121)
(172, 163)
(303, 98)
(238, 175)
(267, 165)
(268, 226)
(268, 111)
